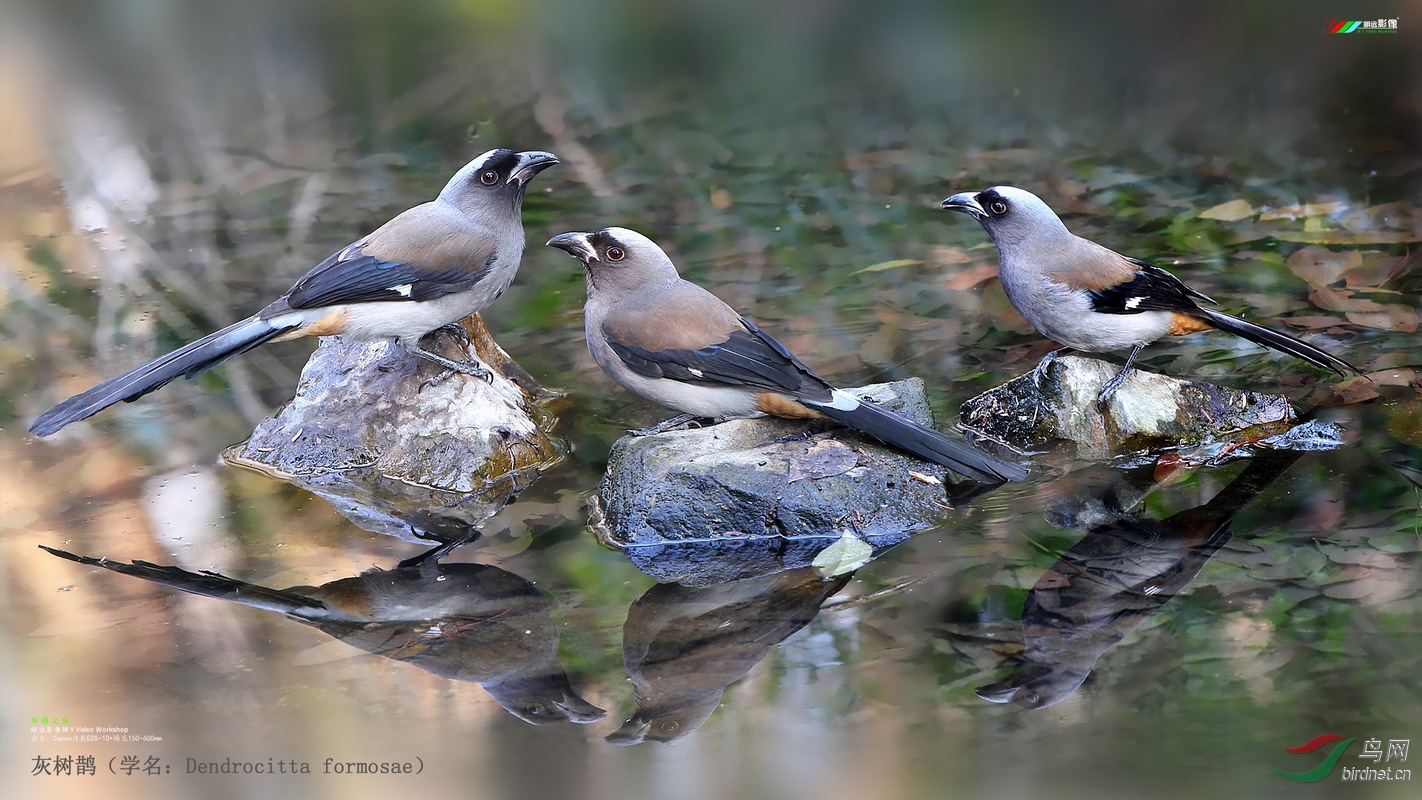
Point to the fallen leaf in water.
(965, 279)
(888, 265)
(1330, 299)
(1304, 210)
(1172, 468)
(1233, 211)
(1397, 215)
(848, 553)
(1320, 266)
(1393, 317)
(1311, 323)
(1377, 269)
(942, 255)
(1256, 232)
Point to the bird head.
(543, 699)
(617, 257)
(495, 180)
(1010, 215)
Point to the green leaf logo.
(1321, 771)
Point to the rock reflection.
(1124, 569)
(466, 622)
(683, 646)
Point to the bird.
(1093, 299)
(425, 269)
(672, 342)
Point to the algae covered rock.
(759, 495)
(1149, 412)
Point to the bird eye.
(489, 177)
(534, 709)
(616, 254)
(998, 208)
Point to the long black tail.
(208, 584)
(1277, 341)
(186, 361)
(926, 443)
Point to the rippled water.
(168, 172)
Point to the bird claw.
(1045, 366)
(1109, 388)
(454, 330)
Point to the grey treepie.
(428, 267)
(674, 343)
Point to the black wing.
(748, 358)
(351, 276)
(1152, 289)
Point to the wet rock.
(754, 496)
(1149, 412)
(401, 455)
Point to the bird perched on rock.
(1092, 299)
(676, 344)
(430, 266)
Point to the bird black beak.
(530, 163)
(578, 710)
(1000, 692)
(633, 731)
(966, 203)
(576, 245)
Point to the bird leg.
(432, 556)
(1110, 387)
(1045, 366)
(473, 367)
(678, 422)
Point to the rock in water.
(398, 453)
(754, 496)
(1149, 412)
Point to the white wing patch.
(694, 371)
(844, 401)
(403, 289)
(1133, 302)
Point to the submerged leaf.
(1320, 266)
(887, 265)
(1233, 211)
(1305, 211)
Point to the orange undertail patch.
(778, 405)
(1181, 324)
(330, 325)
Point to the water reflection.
(466, 622)
(1123, 570)
(683, 646)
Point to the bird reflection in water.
(683, 646)
(466, 622)
(1124, 569)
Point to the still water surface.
(1174, 637)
